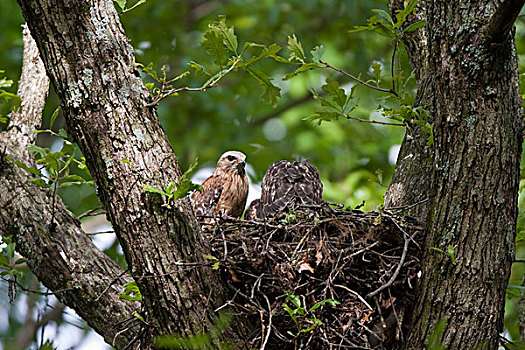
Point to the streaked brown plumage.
(225, 191)
(286, 186)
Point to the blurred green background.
(355, 160)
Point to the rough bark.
(91, 66)
(26, 212)
(469, 85)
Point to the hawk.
(225, 191)
(286, 186)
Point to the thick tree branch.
(62, 257)
(500, 23)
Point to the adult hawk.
(286, 186)
(225, 191)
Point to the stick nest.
(323, 279)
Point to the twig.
(269, 327)
(406, 207)
(403, 231)
(173, 91)
(90, 212)
(357, 79)
(99, 233)
(207, 86)
(373, 121)
(356, 294)
(364, 249)
(392, 65)
(394, 276)
(34, 291)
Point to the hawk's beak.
(242, 163)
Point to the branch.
(390, 91)
(373, 121)
(394, 276)
(499, 25)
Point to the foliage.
(450, 252)
(9, 102)
(202, 340)
(131, 292)
(178, 190)
(304, 318)
(7, 259)
(434, 339)
(53, 169)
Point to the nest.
(327, 278)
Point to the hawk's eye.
(231, 158)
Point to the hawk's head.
(231, 162)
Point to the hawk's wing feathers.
(287, 186)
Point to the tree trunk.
(469, 86)
(87, 276)
(91, 66)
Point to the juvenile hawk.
(286, 186)
(225, 191)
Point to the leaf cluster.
(7, 259)
(178, 190)
(53, 169)
(304, 318)
(382, 23)
(131, 292)
(9, 102)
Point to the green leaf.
(317, 53)
(304, 67)
(378, 26)
(213, 45)
(62, 133)
(184, 187)
(297, 49)
(153, 189)
(38, 182)
(5, 83)
(131, 292)
(31, 169)
(415, 26)
(199, 69)
(330, 302)
(36, 149)
(294, 299)
(376, 69)
(227, 33)
(20, 261)
(271, 92)
(170, 188)
(385, 15)
(323, 116)
(402, 15)
(148, 70)
(15, 100)
(209, 257)
(434, 339)
(290, 312)
(270, 51)
(335, 93)
(54, 117)
(121, 3)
